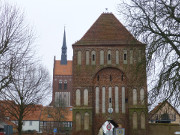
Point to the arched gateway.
(108, 128)
(108, 90)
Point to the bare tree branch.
(157, 23)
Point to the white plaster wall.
(26, 126)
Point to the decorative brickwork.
(109, 80)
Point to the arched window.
(143, 120)
(87, 57)
(117, 57)
(123, 100)
(142, 96)
(78, 121)
(116, 99)
(93, 58)
(134, 120)
(101, 57)
(103, 100)
(60, 85)
(109, 57)
(78, 97)
(65, 85)
(134, 97)
(79, 58)
(85, 97)
(97, 99)
(86, 121)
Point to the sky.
(49, 17)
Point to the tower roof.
(107, 30)
(64, 50)
(64, 40)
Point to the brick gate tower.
(109, 80)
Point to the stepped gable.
(107, 30)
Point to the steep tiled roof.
(62, 69)
(9, 109)
(107, 30)
(54, 112)
(34, 114)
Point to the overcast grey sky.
(48, 18)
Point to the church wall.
(64, 79)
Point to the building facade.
(62, 79)
(109, 80)
(164, 112)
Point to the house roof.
(107, 30)
(161, 105)
(10, 109)
(50, 113)
(62, 69)
(39, 112)
(34, 113)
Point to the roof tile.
(62, 69)
(107, 30)
(67, 112)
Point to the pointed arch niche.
(78, 97)
(78, 121)
(86, 121)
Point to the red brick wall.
(85, 77)
(56, 79)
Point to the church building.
(109, 80)
(62, 79)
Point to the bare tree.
(15, 41)
(30, 86)
(157, 24)
(59, 113)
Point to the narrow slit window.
(98, 78)
(125, 56)
(93, 57)
(110, 78)
(60, 85)
(109, 57)
(65, 85)
(122, 77)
